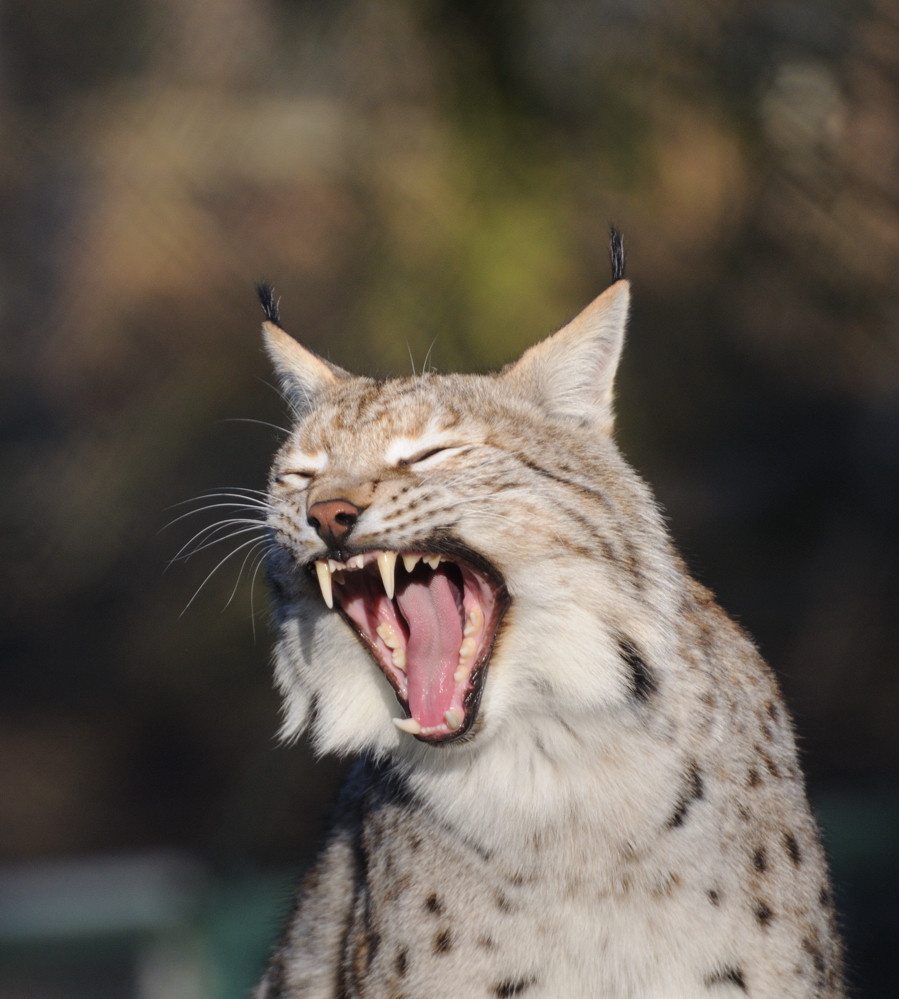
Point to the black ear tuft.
(616, 254)
(266, 295)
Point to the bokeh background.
(418, 178)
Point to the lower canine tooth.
(323, 571)
(409, 725)
(453, 720)
(387, 565)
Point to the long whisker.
(215, 569)
(425, 366)
(248, 507)
(261, 423)
(199, 543)
(260, 561)
(250, 554)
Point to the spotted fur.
(626, 815)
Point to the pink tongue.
(432, 652)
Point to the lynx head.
(453, 554)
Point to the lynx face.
(436, 536)
(373, 498)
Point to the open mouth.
(430, 622)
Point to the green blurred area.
(428, 182)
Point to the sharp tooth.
(356, 562)
(389, 635)
(410, 562)
(323, 571)
(387, 565)
(432, 560)
(399, 659)
(453, 719)
(474, 622)
(409, 725)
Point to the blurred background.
(414, 176)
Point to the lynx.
(575, 776)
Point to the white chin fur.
(319, 661)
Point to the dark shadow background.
(414, 176)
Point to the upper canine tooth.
(323, 571)
(387, 565)
(410, 561)
(432, 560)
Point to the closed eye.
(419, 456)
(426, 453)
(296, 478)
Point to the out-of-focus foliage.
(422, 180)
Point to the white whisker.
(215, 569)
(261, 423)
(210, 539)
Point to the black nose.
(333, 520)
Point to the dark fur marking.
(762, 913)
(694, 790)
(585, 491)
(792, 847)
(433, 904)
(770, 765)
(814, 951)
(760, 860)
(727, 976)
(402, 963)
(443, 942)
(513, 987)
(824, 896)
(502, 903)
(714, 897)
(643, 682)
(616, 253)
(752, 778)
(268, 301)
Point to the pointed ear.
(302, 374)
(571, 373)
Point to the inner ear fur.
(302, 374)
(571, 374)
